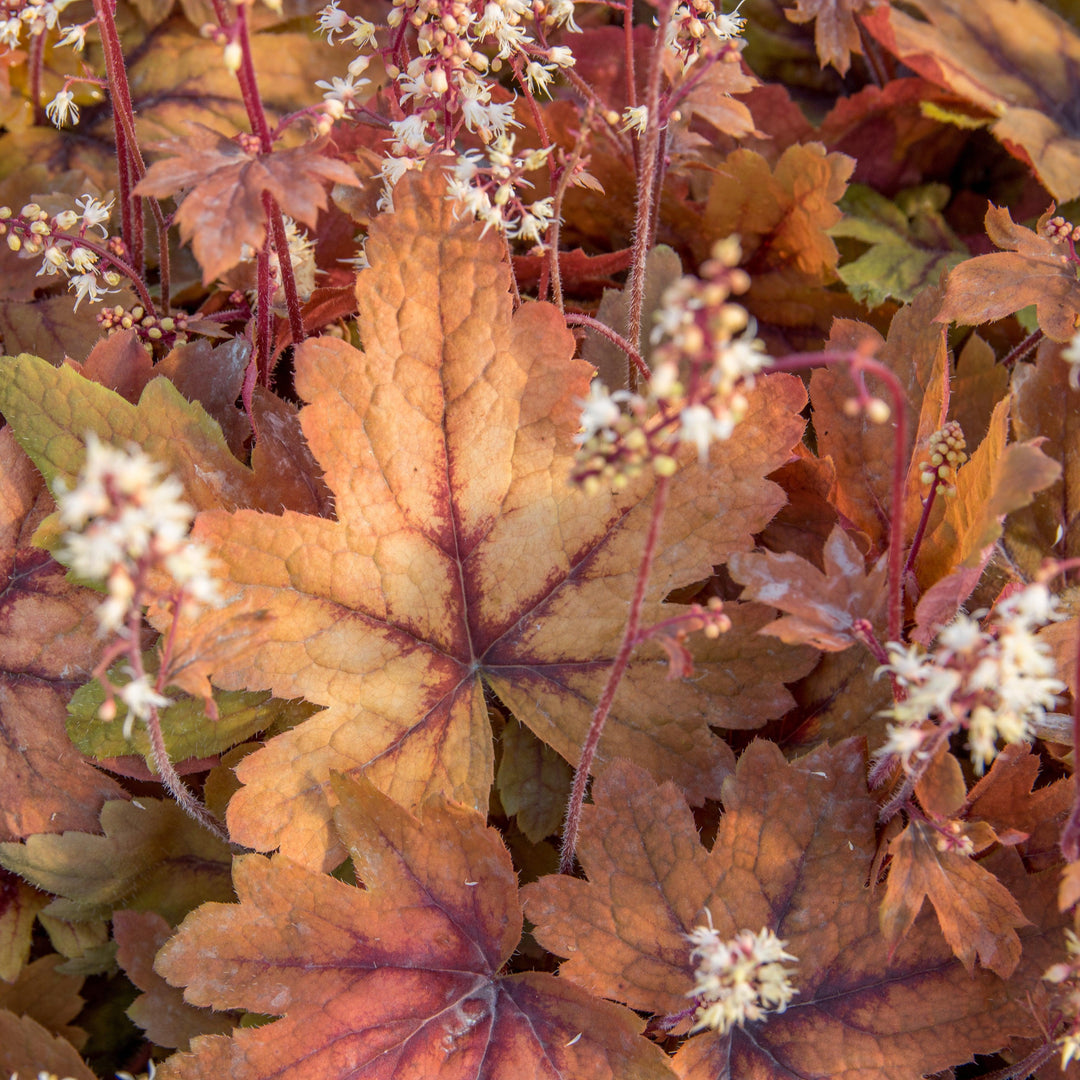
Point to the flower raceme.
(696, 390)
(993, 680)
(738, 980)
(126, 522)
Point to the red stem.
(260, 127)
(618, 669)
(924, 520)
(615, 338)
(646, 184)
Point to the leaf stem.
(616, 339)
(618, 669)
(646, 184)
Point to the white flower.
(10, 30)
(363, 33)
(600, 410)
(87, 285)
(140, 698)
(539, 76)
(332, 20)
(635, 118)
(74, 37)
(344, 90)
(409, 134)
(699, 425)
(562, 56)
(95, 213)
(62, 108)
(726, 27)
(738, 980)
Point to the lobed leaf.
(399, 978)
(462, 555)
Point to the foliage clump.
(516, 559)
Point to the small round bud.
(878, 411)
(107, 710)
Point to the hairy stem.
(615, 338)
(646, 185)
(618, 669)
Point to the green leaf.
(52, 409)
(153, 857)
(910, 242)
(188, 731)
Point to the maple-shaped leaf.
(151, 857)
(51, 410)
(780, 214)
(397, 979)
(160, 1010)
(792, 854)
(836, 35)
(977, 914)
(821, 607)
(49, 646)
(44, 993)
(977, 49)
(462, 555)
(1031, 269)
(223, 208)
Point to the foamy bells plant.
(738, 980)
(706, 356)
(993, 679)
(126, 524)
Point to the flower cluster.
(993, 680)
(151, 329)
(1061, 231)
(696, 23)
(738, 980)
(486, 186)
(945, 454)
(706, 356)
(1066, 975)
(66, 244)
(126, 521)
(32, 17)
(123, 516)
(441, 55)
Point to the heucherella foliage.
(992, 678)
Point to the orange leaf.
(461, 555)
(49, 645)
(977, 49)
(1030, 270)
(399, 978)
(792, 854)
(821, 606)
(160, 1010)
(223, 210)
(976, 912)
(836, 34)
(863, 451)
(27, 1049)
